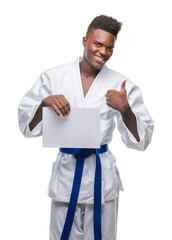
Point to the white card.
(81, 129)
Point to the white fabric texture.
(66, 80)
(82, 228)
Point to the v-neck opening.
(92, 85)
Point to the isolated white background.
(40, 34)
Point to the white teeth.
(100, 59)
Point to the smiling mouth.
(100, 59)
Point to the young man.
(88, 83)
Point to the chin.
(94, 64)
(97, 66)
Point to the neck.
(87, 70)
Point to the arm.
(30, 107)
(130, 121)
(59, 104)
(133, 118)
(118, 100)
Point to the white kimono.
(66, 80)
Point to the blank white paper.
(81, 129)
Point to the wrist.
(125, 109)
(43, 103)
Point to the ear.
(84, 41)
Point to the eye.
(110, 49)
(98, 44)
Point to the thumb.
(123, 85)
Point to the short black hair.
(105, 23)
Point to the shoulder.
(56, 74)
(58, 70)
(117, 78)
(114, 74)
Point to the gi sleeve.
(144, 121)
(30, 103)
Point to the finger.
(123, 85)
(65, 104)
(66, 107)
(55, 108)
(108, 103)
(61, 107)
(111, 91)
(107, 98)
(58, 106)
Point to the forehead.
(101, 36)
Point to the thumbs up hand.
(118, 99)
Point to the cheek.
(110, 54)
(91, 48)
(89, 53)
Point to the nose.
(103, 51)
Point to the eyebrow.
(109, 46)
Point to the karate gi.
(66, 80)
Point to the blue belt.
(80, 155)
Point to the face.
(98, 47)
